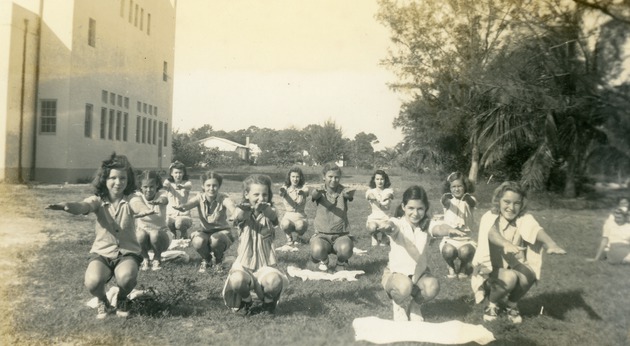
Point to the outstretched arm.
(552, 247)
(75, 208)
(497, 239)
(443, 230)
(193, 202)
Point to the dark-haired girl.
(294, 195)
(178, 189)
(380, 197)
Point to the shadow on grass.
(453, 308)
(558, 304)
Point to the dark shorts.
(331, 237)
(111, 263)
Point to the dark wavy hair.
(119, 162)
(297, 170)
(502, 189)
(146, 175)
(180, 166)
(415, 192)
(384, 175)
(211, 175)
(258, 179)
(468, 185)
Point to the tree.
(362, 153)
(326, 142)
(189, 152)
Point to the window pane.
(49, 116)
(144, 130)
(87, 127)
(103, 122)
(112, 119)
(138, 125)
(118, 124)
(125, 126)
(165, 133)
(104, 94)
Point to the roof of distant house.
(219, 142)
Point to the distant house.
(226, 145)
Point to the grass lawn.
(584, 303)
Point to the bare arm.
(552, 247)
(193, 202)
(75, 208)
(497, 239)
(141, 210)
(443, 230)
(600, 250)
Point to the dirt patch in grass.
(20, 237)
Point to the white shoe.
(451, 273)
(145, 265)
(399, 313)
(155, 265)
(322, 266)
(374, 241)
(203, 266)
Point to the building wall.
(17, 87)
(119, 70)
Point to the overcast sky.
(283, 63)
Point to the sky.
(281, 64)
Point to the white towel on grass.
(287, 248)
(380, 331)
(305, 274)
(179, 244)
(172, 255)
(358, 251)
(112, 296)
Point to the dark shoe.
(244, 308)
(514, 315)
(122, 307)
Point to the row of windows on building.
(123, 102)
(136, 15)
(114, 124)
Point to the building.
(80, 79)
(227, 145)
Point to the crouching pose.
(508, 260)
(152, 231)
(213, 207)
(407, 279)
(294, 195)
(255, 264)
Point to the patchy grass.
(582, 303)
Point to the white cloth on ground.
(287, 248)
(305, 274)
(380, 331)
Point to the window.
(151, 109)
(104, 94)
(119, 100)
(92, 33)
(149, 131)
(155, 110)
(126, 103)
(87, 127)
(122, 8)
(112, 120)
(154, 131)
(165, 133)
(164, 72)
(148, 23)
(112, 98)
(125, 126)
(49, 116)
(144, 107)
(135, 18)
(161, 132)
(138, 125)
(103, 122)
(130, 10)
(139, 106)
(144, 130)
(141, 18)
(118, 124)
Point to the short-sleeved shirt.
(331, 214)
(404, 236)
(295, 199)
(213, 212)
(458, 212)
(616, 234)
(115, 227)
(379, 210)
(177, 197)
(255, 249)
(156, 221)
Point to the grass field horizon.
(582, 303)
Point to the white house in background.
(80, 79)
(223, 144)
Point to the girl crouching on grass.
(509, 257)
(152, 231)
(407, 279)
(115, 251)
(213, 207)
(294, 195)
(178, 188)
(615, 243)
(380, 197)
(255, 265)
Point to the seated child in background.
(615, 243)
(294, 195)
(255, 267)
(331, 220)
(458, 205)
(213, 207)
(152, 231)
(380, 197)
(178, 188)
